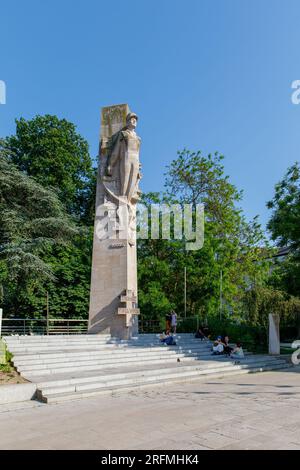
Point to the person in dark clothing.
(206, 332)
(200, 333)
(227, 349)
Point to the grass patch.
(5, 368)
(9, 356)
(8, 374)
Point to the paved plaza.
(253, 411)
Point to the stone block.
(274, 334)
(14, 393)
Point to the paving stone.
(176, 417)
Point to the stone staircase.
(71, 367)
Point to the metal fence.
(184, 325)
(42, 326)
(150, 326)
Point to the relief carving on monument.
(121, 171)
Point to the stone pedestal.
(274, 334)
(113, 297)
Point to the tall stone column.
(113, 296)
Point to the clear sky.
(201, 74)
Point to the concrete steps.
(69, 367)
(58, 393)
(30, 372)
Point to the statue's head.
(131, 120)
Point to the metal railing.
(184, 325)
(150, 326)
(40, 326)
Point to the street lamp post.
(221, 293)
(184, 292)
(47, 311)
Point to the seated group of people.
(221, 346)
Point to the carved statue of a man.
(123, 159)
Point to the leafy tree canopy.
(285, 231)
(32, 219)
(231, 244)
(50, 149)
(285, 205)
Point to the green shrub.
(6, 368)
(187, 325)
(8, 356)
(253, 338)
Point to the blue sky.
(210, 75)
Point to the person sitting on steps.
(237, 353)
(227, 349)
(168, 339)
(200, 333)
(218, 347)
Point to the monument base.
(117, 329)
(113, 297)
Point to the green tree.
(231, 244)
(285, 230)
(50, 149)
(68, 292)
(262, 300)
(285, 205)
(32, 219)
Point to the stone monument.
(113, 296)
